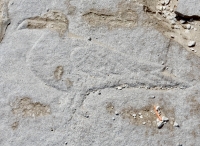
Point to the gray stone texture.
(58, 86)
(188, 7)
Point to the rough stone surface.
(160, 124)
(4, 18)
(191, 43)
(188, 7)
(60, 65)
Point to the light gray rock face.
(61, 64)
(188, 7)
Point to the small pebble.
(89, 39)
(134, 115)
(164, 7)
(188, 26)
(160, 124)
(182, 21)
(176, 124)
(176, 27)
(116, 113)
(147, 87)
(165, 119)
(141, 117)
(99, 92)
(157, 108)
(159, 8)
(172, 36)
(119, 88)
(191, 43)
(124, 86)
(179, 144)
(144, 123)
(152, 97)
(113, 118)
(192, 49)
(139, 114)
(87, 116)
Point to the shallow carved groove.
(53, 20)
(126, 18)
